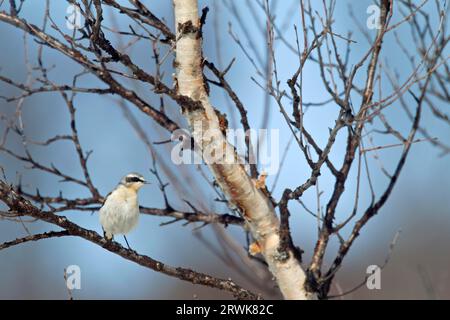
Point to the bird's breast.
(123, 202)
(120, 213)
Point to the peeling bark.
(231, 176)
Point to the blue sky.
(421, 197)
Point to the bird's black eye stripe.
(134, 179)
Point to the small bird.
(120, 211)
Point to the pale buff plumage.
(120, 212)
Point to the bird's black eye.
(133, 179)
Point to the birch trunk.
(219, 155)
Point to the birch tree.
(352, 85)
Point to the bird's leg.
(127, 242)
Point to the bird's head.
(133, 181)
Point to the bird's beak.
(146, 182)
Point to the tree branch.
(34, 237)
(20, 206)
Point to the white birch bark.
(231, 177)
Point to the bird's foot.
(108, 237)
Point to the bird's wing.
(106, 198)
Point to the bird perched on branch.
(120, 211)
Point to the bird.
(120, 211)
